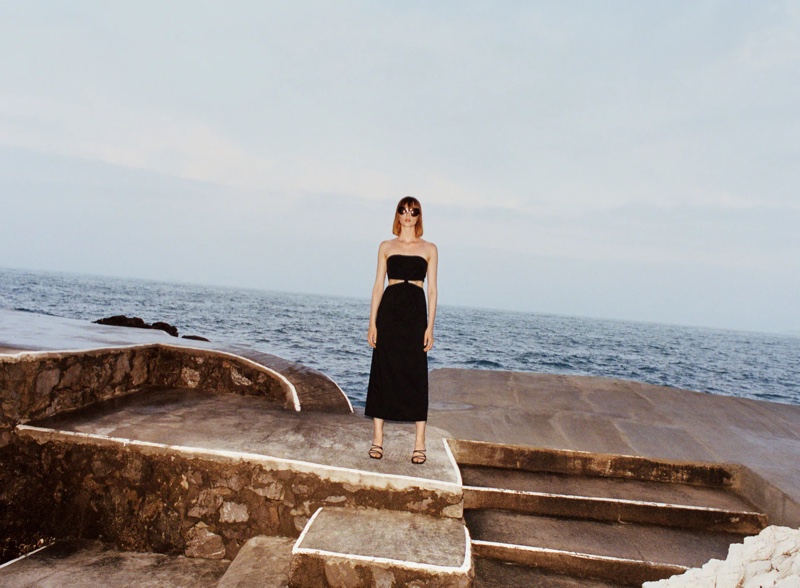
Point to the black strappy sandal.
(418, 457)
(376, 451)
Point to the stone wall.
(34, 385)
(144, 497)
(40, 384)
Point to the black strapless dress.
(398, 377)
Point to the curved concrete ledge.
(29, 332)
(316, 391)
(38, 384)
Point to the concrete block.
(262, 562)
(354, 548)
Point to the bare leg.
(418, 456)
(419, 442)
(377, 435)
(376, 451)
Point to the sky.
(612, 159)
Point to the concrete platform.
(213, 470)
(364, 547)
(89, 564)
(194, 419)
(604, 415)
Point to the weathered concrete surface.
(350, 548)
(629, 418)
(87, 564)
(263, 562)
(195, 418)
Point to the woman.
(399, 332)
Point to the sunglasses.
(412, 211)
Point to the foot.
(376, 451)
(418, 457)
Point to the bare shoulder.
(431, 251)
(384, 247)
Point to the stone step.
(626, 553)
(366, 547)
(609, 499)
(87, 564)
(262, 562)
(584, 463)
(492, 573)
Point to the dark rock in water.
(194, 337)
(121, 320)
(166, 327)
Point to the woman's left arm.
(433, 266)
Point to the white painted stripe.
(21, 557)
(411, 565)
(305, 530)
(453, 461)
(482, 489)
(334, 473)
(468, 552)
(576, 554)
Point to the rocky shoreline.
(120, 320)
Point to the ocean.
(329, 334)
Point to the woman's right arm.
(377, 294)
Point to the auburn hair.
(408, 202)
